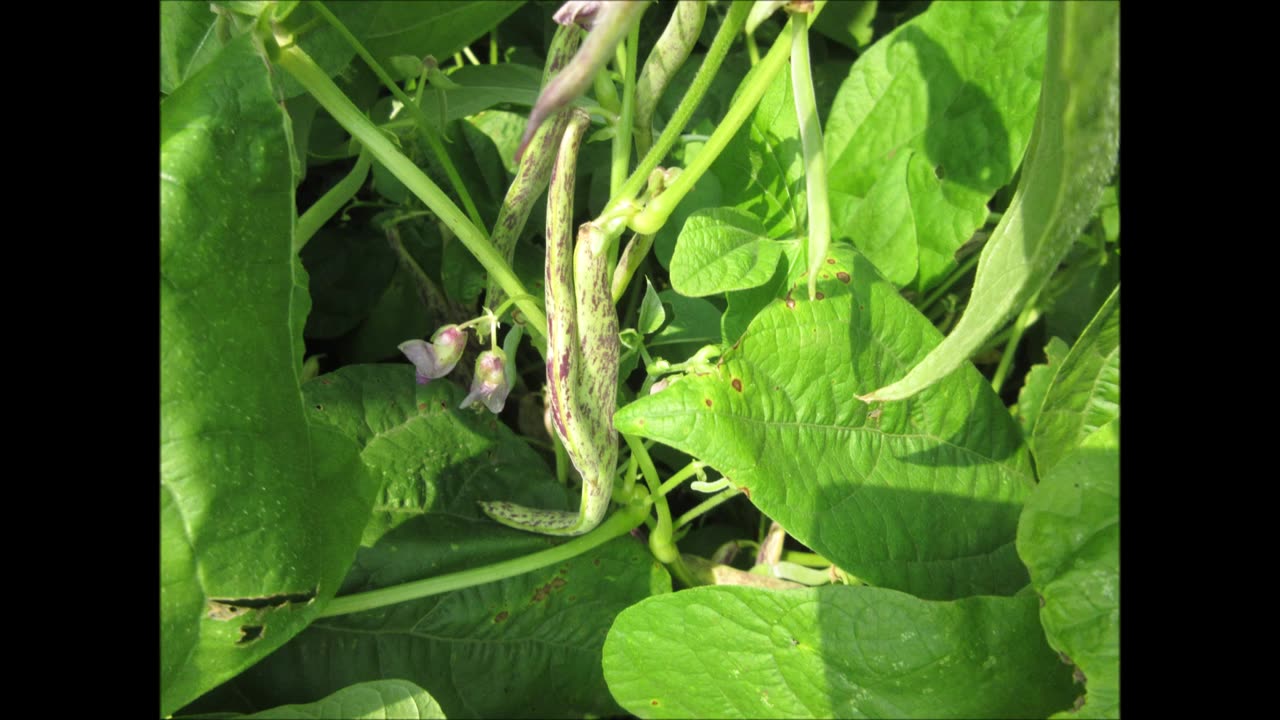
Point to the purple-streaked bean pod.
(670, 52)
(582, 354)
(535, 165)
(610, 23)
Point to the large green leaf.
(260, 512)
(694, 322)
(921, 496)
(376, 699)
(1069, 537)
(188, 40)
(761, 170)
(931, 121)
(430, 28)
(1070, 159)
(350, 266)
(850, 652)
(1085, 392)
(430, 458)
(722, 249)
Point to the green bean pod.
(582, 354)
(670, 52)
(535, 165)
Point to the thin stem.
(733, 24)
(471, 56)
(660, 539)
(493, 47)
(622, 134)
(331, 202)
(685, 473)
(424, 125)
(621, 523)
(298, 64)
(655, 214)
(707, 505)
(952, 279)
(753, 50)
(1029, 315)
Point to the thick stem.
(733, 23)
(656, 212)
(621, 156)
(660, 543)
(622, 522)
(331, 202)
(298, 64)
(429, 133)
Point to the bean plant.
(658, 359)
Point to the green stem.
(622, 135)
(707, 505)
(424, 126)
(952, 279)
(331, 202)
(815, 161)
(621, 523)
(656, 212)
(685, 473)
(298, 64)
(1029, 315)
(807, 559)
(753, 50)
(660, 539)
(733, 24)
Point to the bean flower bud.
(437, 359)
(492, 382)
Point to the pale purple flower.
(582, 12)
(437, 358)
(492, 382)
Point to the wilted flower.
(437, 359)
(492, 382)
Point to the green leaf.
(242, 568)
(849, 652)
(488, 86)
(761, 170)
(921, 496)
(722, 249)
(1069, 537)
(694, 323)
(956, 87)
(652, 314)
(398, 316)
(529, 646)
(504, 129)
(706, 193)
(350, 267)
(1085, 393)
(375, 699)
(742, 306)
(848, 23)
(430, 458)
(1071, 157)
(1031, 396)
(430, 28)
(188, 41)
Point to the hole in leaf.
(250, 633)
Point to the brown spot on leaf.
(653, 702)
(565, 570)
(320, 407)
(501, 616)
(541, 593)
(707, 401)
(831, 261)
(818, 295)
(737, 384)
(745, 491)
(326, 382)
(843, 277)
(596, 562)
(422, 406)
